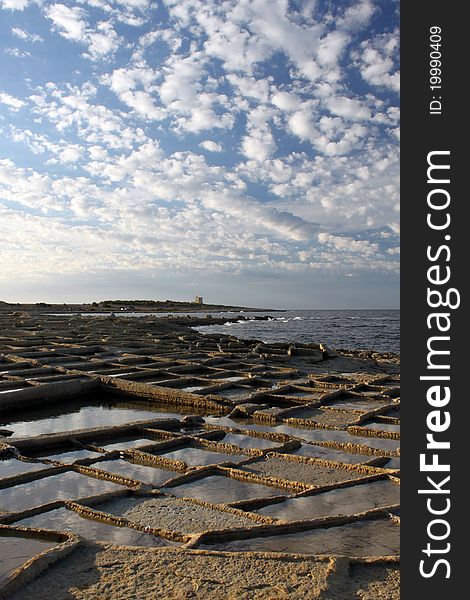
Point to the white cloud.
(358, 15)
(250, 87)
(259, 144)
(69, 22)
(70, 154)
(103, 41)
(348, 108)
(15, 4)
(285, 101)
(377, 61)
(293, 169)
(125, 83)
(25, 35)
(255, 214)
(11, 101)
(73, 108)
(211, 146)
(141, 5)
(17, 52)
(348, 244)
(331, 48)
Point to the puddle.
(68, 520)
(378, 425)
(150, 475)
(310, 435)
(363, 405)
(302, 394)
(393, 463)
(125, 444)
(64, 486)
(15, 551)
(343, 501)
(393, 412)
(194, 457)
(119, 373)
(81, 415)
(234, 393)
(379, 537)
(11, 467)
(71, 455)
(219, 489)
(245, 441)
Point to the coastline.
(329, 419)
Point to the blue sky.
(243, 150)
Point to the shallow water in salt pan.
(70, 456)
(150, 475)
(11, 467)
(67, 520)
(15, 551)
(76, 415)
(198, 457)
(379, 537)
(310, 435)
(245, 441)
(64, 486)
(343, 501)
(125, 444)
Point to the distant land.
(127, 306)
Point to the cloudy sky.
(243, 150)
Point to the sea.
(377, 330)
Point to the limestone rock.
(327, 352)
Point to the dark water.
(77, 414)
(342, 501)
(64, 486)
(67, 520)
(15, 551)
(378, 537)
(351, 329)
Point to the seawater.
(377, 330)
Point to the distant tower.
(199, 300)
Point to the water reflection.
(343, 501)
(380, 537)
(83, 414)
(15, 551)
(311, 435)
(68, 520)
(64, 486)
(150, 475)
(197, 457)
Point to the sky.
(243, 150)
